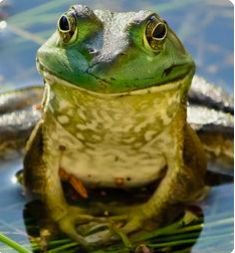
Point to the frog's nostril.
(92, 51)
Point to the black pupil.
(64, 23)
(159, 31)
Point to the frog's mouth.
(179, 83)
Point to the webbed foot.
(134, 219)
(90, 231)
(125, 219)
(71, 221)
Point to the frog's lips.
(50, 78)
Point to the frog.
(114, 115)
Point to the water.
(206, 29)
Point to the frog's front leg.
(183, 183)
(41, 176)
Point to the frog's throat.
(182, 84)
(114, 117)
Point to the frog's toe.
(68, 227)
(69, 223)
(101, 238)
(118, 218)
(132, 221)
(134, 224)
(110, 234)
(126, 218)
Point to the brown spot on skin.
(128, 179)
(116, 158)
(62, 148)
(119, 181)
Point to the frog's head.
(114, 52)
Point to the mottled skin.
(114, 108)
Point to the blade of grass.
(39, 9)
(42, 19)
(13, 244)
(26, 35)
(183, 242)
(63, 247)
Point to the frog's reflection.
(179, 236)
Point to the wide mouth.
(174, 84)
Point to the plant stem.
(13, 244)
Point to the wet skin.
(114, 116)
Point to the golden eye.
(67, 27)
(156, 32)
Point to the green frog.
(114, 116)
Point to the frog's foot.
(70, 222)
(136, 220)
(125, 218)
(131, 219)
(124, 221)
(100, 230)
(107, 233)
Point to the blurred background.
(206, 29)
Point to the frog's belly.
(108, 167)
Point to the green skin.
(109, 64)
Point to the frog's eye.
(64, 24)
(159, 32)
(67, 27)
(156, 32)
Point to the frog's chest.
(110, 162)
(112, 140)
